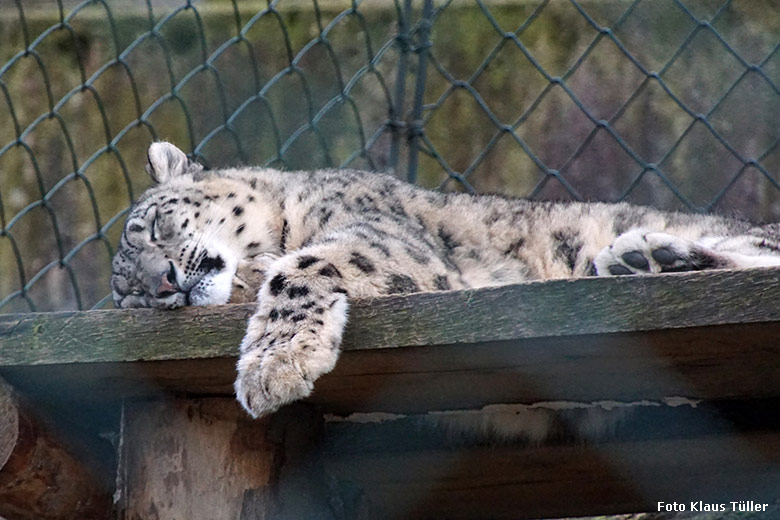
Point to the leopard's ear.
(166, 162)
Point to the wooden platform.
(610, 395)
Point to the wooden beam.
(533, 310)
(711, 363)
(40, 476)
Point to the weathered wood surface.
(532, 310)
(723, 362)
(41, 478)
(704, 335)
(194, 459)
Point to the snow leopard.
(303, 244)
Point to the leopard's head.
(178, 247)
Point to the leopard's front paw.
(293, 337)
(279, 368)
(267, 382)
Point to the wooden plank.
(708, 363)
(550, 423)
(711, 363)
(533, 310)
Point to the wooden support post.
(193, 458)
(40, 478)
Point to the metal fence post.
(396, 121)
(416, 124)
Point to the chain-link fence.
(674, 103)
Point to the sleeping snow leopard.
(311, 241)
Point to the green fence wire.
(672, 103)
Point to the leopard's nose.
(168, 284)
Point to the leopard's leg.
(643, 251)
(295, 335)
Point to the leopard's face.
(168, 257)
(194, 238)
